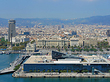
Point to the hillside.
(30, 22)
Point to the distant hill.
(30, 22)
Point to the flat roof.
(47, 59)
(96, 59)
(38, 59)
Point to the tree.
(59, 49)
(2, 47)
(30, 70)
(17, 67)
(107, 49)
(18, 47)
(75, 46)
(35, 71)
(73, 50)
(24, 43)
(3, 42)
(66, 50)
(15, 48)
(101, 49)
(8, 43)
(43, 70)
(69, 70)
(72, 47)
(56, 70)
(85, 71)
(103, 44)
(53, 47)
(32, 41)
(77, 49)
(48, 70)
(17, 44)
(22, 47)
(95, 50)
(91, 49)
(86, 49)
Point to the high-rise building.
(26, 33)
(59, 27)
(11, 29)
(74, 33)
(62, 26)
(108, 33)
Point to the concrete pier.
(59, 75)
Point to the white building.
(74, 41)
(19, 39)
(31, 47)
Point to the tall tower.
(59, 27)
(11, 30)
(108, 33)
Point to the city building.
(74, 41)
(11, 29)
(64, 62)
(52, 43)
(62, 26)
(31, 47)
(88, 42)
(19, 39)
(26, 33)
(59, 27)
(108, 33)
(74, 33)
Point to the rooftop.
(96, 59)
(47, 59)
(39, 59)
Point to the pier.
(59, 75)
(17, 61)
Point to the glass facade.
(52, 67)
(72, 67)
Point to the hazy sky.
(65, 9)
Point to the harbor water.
(5, 61)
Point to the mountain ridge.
(30, 22)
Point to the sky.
(63, 9)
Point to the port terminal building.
(57, 62)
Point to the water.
(5, 60)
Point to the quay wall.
(61, 75)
